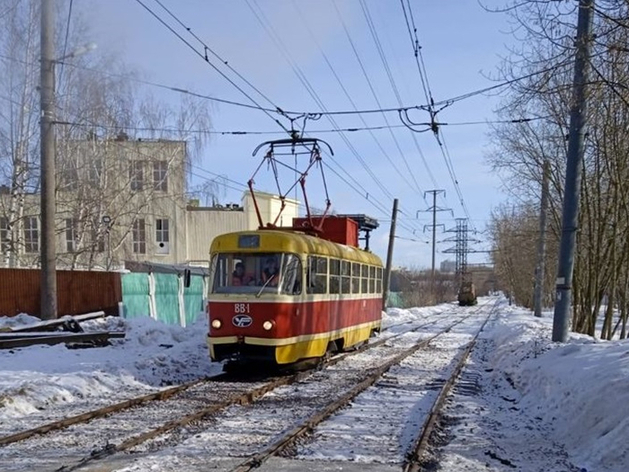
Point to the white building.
(120, 200)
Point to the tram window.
(317, 274)
(335, 279)
(364, 281)
(379, 280)
(355, 277)
(250, 273)
(372, 272)
(372, 285)
(345, 277)
(291, 275)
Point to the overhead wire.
(438, 133)
(67, 35)
(351, 100)
(385, 63)
(206, 59)
(369, 83)
(268, 27)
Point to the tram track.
(305, 404)
(170, 392)
(310, 423)
(215, 402)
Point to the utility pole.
(48, 257)
(434, 210)
(387, 271)
(541, 244)
(570, 218)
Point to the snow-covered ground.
(36, 379)
(574, 395)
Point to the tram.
(281, 296)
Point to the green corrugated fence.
(163, 297)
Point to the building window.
(160, 176)
(4, 234)
(136, 175)
(162, 235)
(98, 236)
(31, 234)
(95, 171)
(139, 237)
(71, 233)
(70, 177)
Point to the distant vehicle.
(467, 294)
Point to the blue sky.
(461, 46)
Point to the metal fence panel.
(167, 298)
(135, 295)
(193, 299)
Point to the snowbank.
(579, 390)
(151, 355)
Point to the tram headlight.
(216, 324)
(268, 325)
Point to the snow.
(525, 401)
(40, 378)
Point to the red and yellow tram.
(285, 296)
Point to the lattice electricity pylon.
(460, 249)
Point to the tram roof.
(291, 241)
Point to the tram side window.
(291, 275)
(379, 280)
(364, 280)
(345, 277)
(335, 276)
(372, 279)
(355, 277)
(317, 274)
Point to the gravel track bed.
(241, 431)
(382, 423)
(81, 439)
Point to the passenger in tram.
(271, 272)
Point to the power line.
(373, 92)
(306, 83)
(385, 63)
(65, 42)
(206, 59)
(438, 133)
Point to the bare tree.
(539, 103)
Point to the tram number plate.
(241, 308)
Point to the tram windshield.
(258, 273)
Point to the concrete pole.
(387, 271)
(48, 207)
(541, 244)
(573, 174)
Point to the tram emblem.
(242, 321)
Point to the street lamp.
(48, 309)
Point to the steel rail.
(100, 412)
(310, 423)
(240, 399)
(414, 458)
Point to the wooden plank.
(50, 325)
(60, 338)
